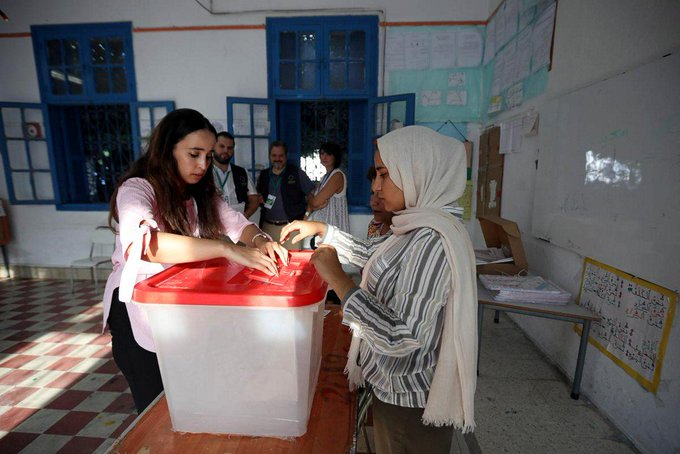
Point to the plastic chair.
(101, 242)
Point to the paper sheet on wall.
(456, 79)
(417, 50)
(430, 98)
(495, 103)
(456, 98)
(497, 82)
(515, 96)
(511, 65)
(526, 16)
(511, 136)
(500, 27)
(524, 54)
(470, 47)
(443, 49)
(490, 41)
(541, 37)
(394, 52)
(511, 13)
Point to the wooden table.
(570, 312)
(331, 426)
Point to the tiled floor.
(60, 390)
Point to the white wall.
(196, 69)
(594, 41)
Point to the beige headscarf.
(431, 170)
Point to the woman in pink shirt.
(164, 211)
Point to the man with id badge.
(284, 188)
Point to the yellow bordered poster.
(636, 319)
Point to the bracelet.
(260, 234)
(307, 213)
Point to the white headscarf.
(431, 170)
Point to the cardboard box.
(499, 232)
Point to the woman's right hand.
(305, 229)
(252, 258)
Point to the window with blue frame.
(72, 149)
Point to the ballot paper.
(525, 289)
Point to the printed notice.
(417, 50)
(542, 38)
(470, 47)
(394, 52)
(443, 45)
(457, 79)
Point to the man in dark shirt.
(284, 188)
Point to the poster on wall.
(636, 318)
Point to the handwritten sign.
(636, 319)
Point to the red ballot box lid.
(219, 282)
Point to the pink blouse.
(136, 204)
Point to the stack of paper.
(491, 255)
(525, 289)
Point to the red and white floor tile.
(60, 390)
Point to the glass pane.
(307, 46)
(397, 114)
(119, 79)
(242, 154)
(43, 186)
(16, 152)
(337, 74)
(287, 46)
(307, 76)
(158, 114)
(75, 80)
(54, 52)
(144, 119)
(116, 51)
(97, 51)
(287, 76)
(261, 118)
(101, 80)
(34, 115)
(57, 81)
(11, 119)
(380, 119)
(39, 158)
(337, 45)
(357, 75)
(22, 185)
(321, 122)
(261, 153)
(357, 45)
(72, 52)
(241, 125)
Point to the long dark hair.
(159, 167)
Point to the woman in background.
(166, 210)
(328, 202)
(414, 316)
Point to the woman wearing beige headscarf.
(414, 316)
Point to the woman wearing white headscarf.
(414, 316)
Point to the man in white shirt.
(232, 181)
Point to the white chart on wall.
(608, 181)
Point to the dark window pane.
(357, 75)
(357, 45)
(57, 81)
(307, 46)
(72, 52)
(337, 45)
(75, 80)
(101, 80)
(287, 76)
(287, 46)
(307, 76)
(54, 52)
(97, 51)
(119, 79)
(116, 51)
(337, 75)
